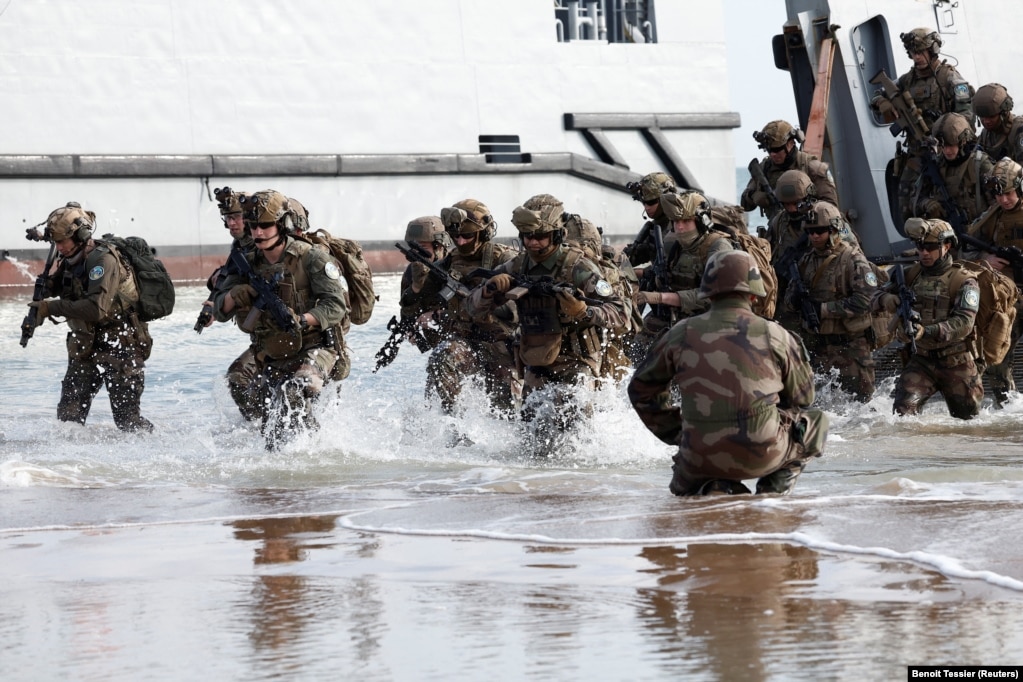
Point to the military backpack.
(358, 276)
(992, 329)
(759, 248)
(155, 288)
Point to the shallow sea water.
(372, 550)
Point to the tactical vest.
(545, 333)
(295, 291)
(489, 256)
(1000, 227)
(998, 146)
(828, 277)
(686, 263)
(935, 301)
(76, 284)
(962, 182)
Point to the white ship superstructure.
(982, 38)
(369, 113)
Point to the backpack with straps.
(760, 249)
(155, 288)
(358, 276)
(992, 329)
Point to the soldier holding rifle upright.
(913, 103)
(946, 298)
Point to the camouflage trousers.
(456, 360)
(956, 377)
(1000, 375)
(853, 359)
(242, 382)
(615, 363)
(799, 435)
(117, 360)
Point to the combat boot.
(721, 486)
(782, 481)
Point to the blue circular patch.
(96, 272)
(331, 270)
(602, 288)
(871, 279)
(972, 298)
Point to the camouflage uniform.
(555, 348)
(107, 343)
(292, 367)
(840, 283)
(648, 190)
(474, 347)
(686, 255)
(616, 271)
(731, 390)
(1006, 138)
(420, 292)
(1003, 228)
(242, 373)
(937, 89)
(962, 177)
(776, 134)
(947, 301)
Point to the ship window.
(503, 149)
(612, 21)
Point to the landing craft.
(833, 48)
(369, 113)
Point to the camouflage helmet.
(729, 271)
(1004, 177)
(775, 134)
(921, 40)
(685, 206)
(794, 186)
(267, 207)
(579, 230)
(538, 201)
(299, 215)
(824, 214)
(227, 200)
(546, 220)
(935, 230)
(992, 100)
(70, 220)
(428, 228)
(469, 215)
(953, 129)
(650, 186)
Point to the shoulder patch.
(962, 91)
(871, 279)
(602, 288)
(971, 298)
(96, 272)
(331, 270)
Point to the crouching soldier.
(743, 386)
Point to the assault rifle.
(451, 287)
(908, 120)
(267, 299)
(542, 286)
(405, 328)
(31, 321)
(954, 213)
(909, 317)
(801, 294)
(655, 277)
(1013, 254)
(756, 171)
